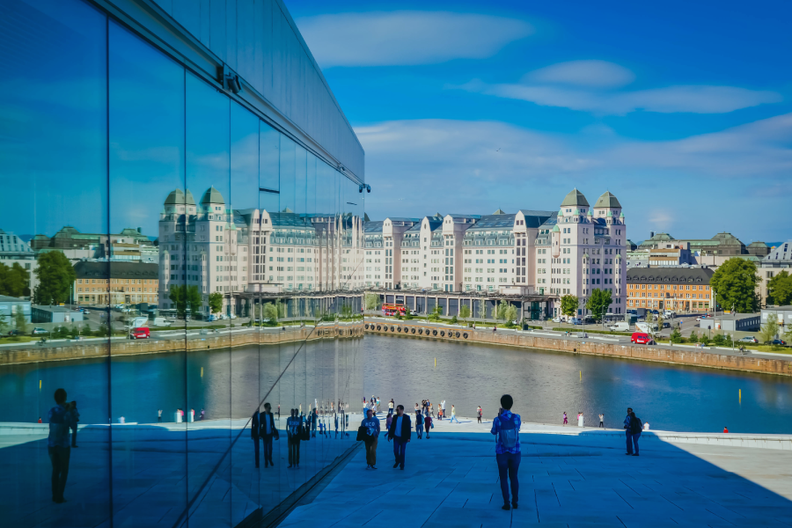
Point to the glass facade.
(187, 263)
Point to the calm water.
(544, 384)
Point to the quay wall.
(696, 358)
(101, 348)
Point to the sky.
(683, 110)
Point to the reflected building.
(164, 153)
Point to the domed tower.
(608, 207)
(212, 202)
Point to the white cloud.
(423, 166)
(693, 99)
(592, 73)
(407, 37)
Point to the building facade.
(570, 252)
(113, 283)
(777, 260)
(677, 289)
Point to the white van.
(621, 326)
(160, 321)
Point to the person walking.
(566, 421)
(255, 433)
(580, 419)
(635, 429)
(400, 431)
(388, 421)
(390, 406)
(602, 421)
(268, 433)
(159, 415)
(506, 428)
(453, 415)
(419, 423)
(442, 406)
(427, 424)
(293, 426)
(479, 412)
(371, 439)
(58, 446)
(75, 414)
(628, 431)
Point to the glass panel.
(213, 276)
(146, 134)
(53, 154)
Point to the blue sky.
(681, 109)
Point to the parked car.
(666, 324)
(140, 333)
(576, 321)
(779, 342)
(640, 338)
(656, 312)
(700, 317)
(39, 331)
(556, 319)
(748, 339)
(669, 314)
(621, 326)
(14, 332)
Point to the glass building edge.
(151, 153)
(152, 22)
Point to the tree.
(184, 297)
(676, 336)
(464, 312)
(569, 305)
(694, 338)
(511, 313)
(56, 277)
(436, 313)
(3, 324)
(500, 312)
(216, 302)
(482, 311)
(779, 289)
(734, 282)
(372, 301)
(598, 303)
(270, 312)
(194, 300)
(19, 320)
(770, 328)
(14, 280)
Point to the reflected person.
(75, 414)
(58, 445)
(255, 433)
(293, 426)
(268, 433)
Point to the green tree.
(194, 300)
(19, 320)
(511, 314)
(779, 289)
(704, 340)
(694, 338)
(270, 312)
(436, 313)
(770, 328)
(3, 324)
(177, 296)
(734, 282)
(718, 340)
(598, 303)
(482, 311)
(569, 305)
(454, 320)
(372, 301)
(56, 277)
(500, 311)
(14, 280)
(464, 312)
(676, 336)
(216, 302)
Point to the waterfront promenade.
(569, 477)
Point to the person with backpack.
(506, 428)
(635, 430)
(427, 424)
(419, 423)
(371, 438)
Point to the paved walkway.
(568, 477)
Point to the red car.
(140, 333)
(640, 338)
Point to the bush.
(454, 320)
(718, 340)
(676, 337)
(704, 340)
(693, 337)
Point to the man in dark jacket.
(268, 433)
(635, 431)
(628, 432)
(255, 431)
(400, 431)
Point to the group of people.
(62, 418)
(633, 428)
(505, 427)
